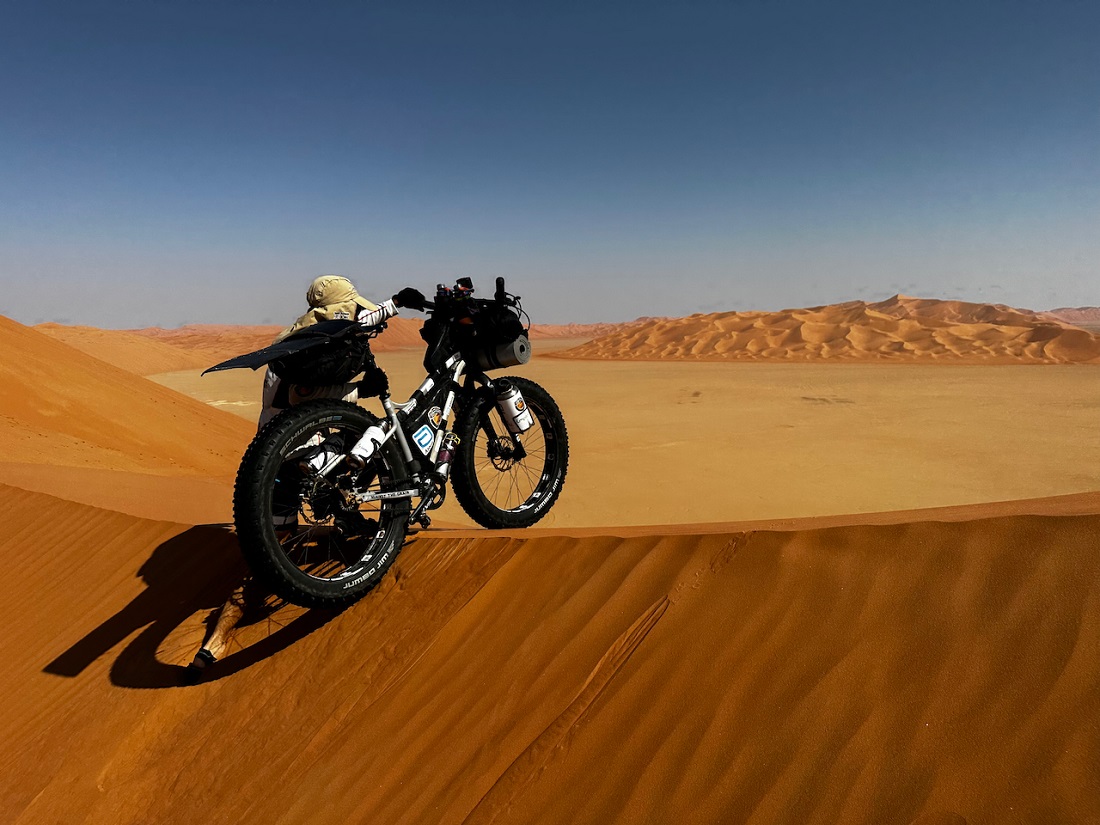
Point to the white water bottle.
(366, 446)
(513, 409)
(318, 459)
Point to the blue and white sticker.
(424, 438)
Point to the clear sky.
(177, 161)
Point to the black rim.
(316, 524)
(512, 472)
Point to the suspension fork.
(519, 452)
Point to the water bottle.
(446, 455)
(513, 409)
(366, 446)
(318, 459)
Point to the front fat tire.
(252, 513)
(464, 479)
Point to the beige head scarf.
(331, 298)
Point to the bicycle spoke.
(330, 537)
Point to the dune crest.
(1077, 315)
(900, 328)
(923, 671)
(573, 330)
(126, 349)
(62, 407)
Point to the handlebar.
(501, 296)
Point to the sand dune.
(62, 407)
(573, 330)
(153, 350)
(925, 671)
(900, 328)
(1089, 316)
(197, 346)
(218, 342)
(125, 349)
(912, 667)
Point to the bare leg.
(229, 614)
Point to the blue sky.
(202, 160)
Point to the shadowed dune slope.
(900, 328)
(63, 407)
(923, 671)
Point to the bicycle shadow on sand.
(188, 580)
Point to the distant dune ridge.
(196, 346)
(1077, 315)
(131, 350)
(900, 328)
(573, 330)
(155, 350)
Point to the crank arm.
(430, 499)
(363, 498)
(418, 515)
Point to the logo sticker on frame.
(424, 438)
(435, 415)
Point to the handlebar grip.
(500, 293)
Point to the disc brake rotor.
(502, 452)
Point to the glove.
(409, 297)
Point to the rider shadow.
(198, 570)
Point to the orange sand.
(198, 346)
(922, 671)
(1089, 316)
(931, 666)
(900, 328)
(63, 408)
(126, 349)
(546, 331)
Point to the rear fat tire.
(252, 508)
(470, 489)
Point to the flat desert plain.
(687, 442)
(851, 580)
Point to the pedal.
(424, 521)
